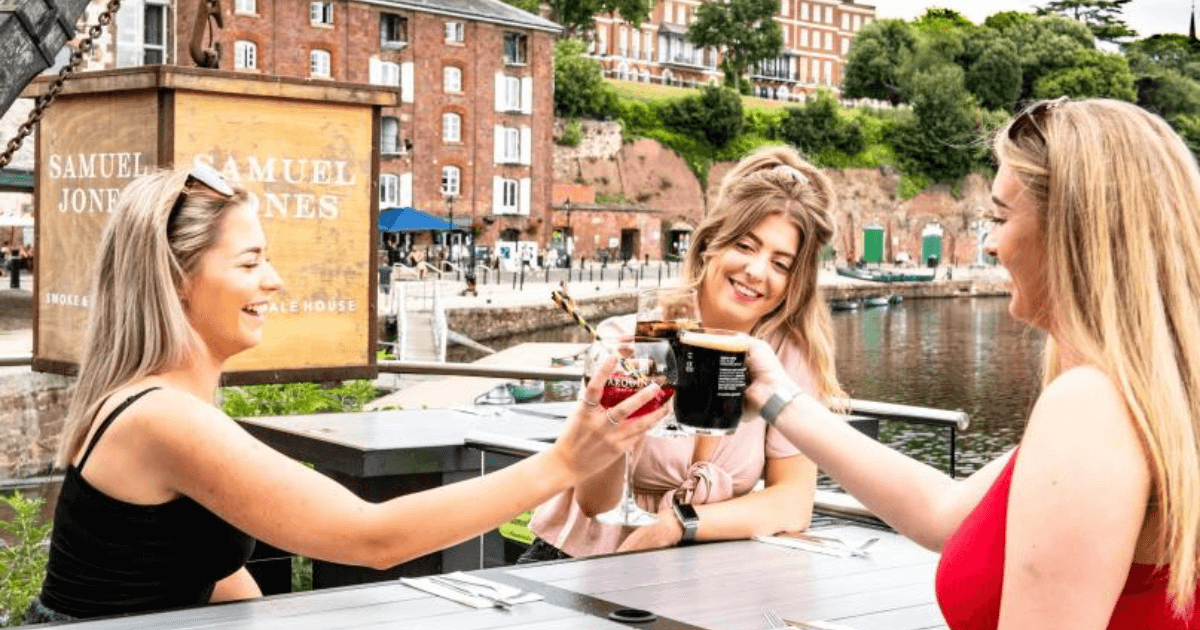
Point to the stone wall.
(34, 406)
(483, 324)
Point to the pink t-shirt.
(665, 469)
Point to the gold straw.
(567, 304)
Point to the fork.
(860, 551)
(497, 601)
(775, 621)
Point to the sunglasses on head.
(1031, 120)
(209, 177)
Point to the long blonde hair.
(137, 326)
(775, 180)
(1118, 194)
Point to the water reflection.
(967, 354)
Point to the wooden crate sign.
(306, 154)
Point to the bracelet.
(783, 396)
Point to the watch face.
(686, 512)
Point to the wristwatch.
(689, 520)
(784, 394)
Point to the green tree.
(528, 6)
(580, 90)
(714, 115)
(579, 16)
(1102, 17)
(942, 138)
(1045, 45)
(745, 30)
(1170, 51)
(875, 63)
(1005, 20)
(1168, 94)
(1093, 74)
(994, 77)
(818, 126)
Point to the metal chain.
(43, 102)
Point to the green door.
(873, 244)
(931, 247)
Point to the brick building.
(816, 37)
(472, 135)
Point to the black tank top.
(109, 557)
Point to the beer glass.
(661, 314)
(642, 361)
(711, 386)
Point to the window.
(389, 135)
(804, 38)
(636, 41)
(451, 127)
(512, 93)
(393, 30)
(452, 80)
(450, 180)
(318, 63)
(389, 191)
(454, 32)
(249, 7)
(245, 55)
(515, 48)
(508, 196)
(510, 145)
(384, 73)
(845, 45)
(154, 30)
(828, 41)
(320, 13)
(803, 10)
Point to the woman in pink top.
(753, 262)
(1096, 522)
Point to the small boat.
(877, 300)
(844, 305)
(567, 360)
(896, 298)
(879, 275)
(526, 389)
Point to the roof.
(493, 11)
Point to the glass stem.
(627, 491)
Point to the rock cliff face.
(644, 176)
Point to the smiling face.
(1018, 241)
(748, 279)
(226, 298)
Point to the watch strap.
(784, 395)
(690, 526)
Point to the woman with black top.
(164, 493)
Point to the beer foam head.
(724, 342)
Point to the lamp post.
(450, 236)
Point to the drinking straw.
(567, 304)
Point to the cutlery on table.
(775, 621)
(859, 550)
(457, 586)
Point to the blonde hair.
(775, 180)
(1118, 193)
(137, 326)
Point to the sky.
(1147, 17)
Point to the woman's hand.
(766, 373)
(667, 532)
(595, 436)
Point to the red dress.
(971, 572)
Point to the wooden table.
(720, 586)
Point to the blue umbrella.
(410, 220)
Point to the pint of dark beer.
(712, 380)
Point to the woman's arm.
(239, 585)
(1076, 509)
(917, 500)
(205, 455)
(784, 504)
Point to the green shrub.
(911, 185)
(302, 571)
(572, 133)
(296, 398)
(24, 562)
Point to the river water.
(961, 353)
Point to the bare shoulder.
(170, 419)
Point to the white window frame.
(319, 63)
(389, 190)
(160, 49)
(402, 34)
(451, 127)
(507, 196)
(512, 93)
(245, 55)
(389, 136)
(384, 73)
(510, 143)
(804, 15)
(452, 80)
(245, 7)
(320, 13)
(455, 33)
(451, 180)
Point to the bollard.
(620, 276)
(522, 277)
(660, 275)
(637, 278)
(515, 278)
